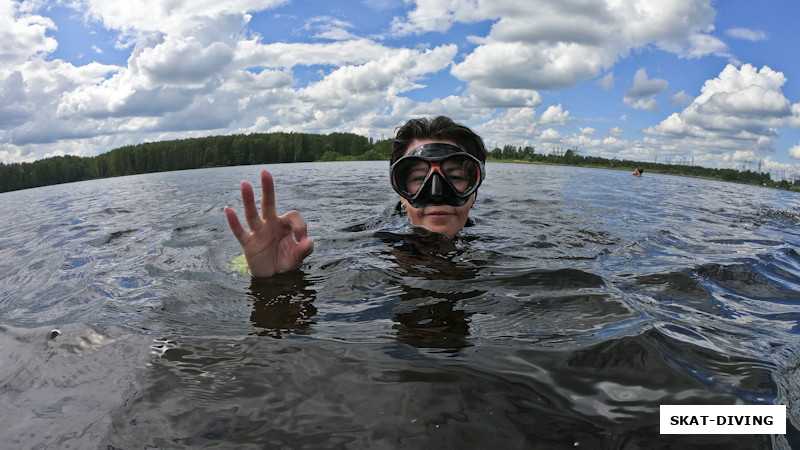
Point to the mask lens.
(462, 172)
(410, 175)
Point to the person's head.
(440, 129)
(446, 160)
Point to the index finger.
(268, 211)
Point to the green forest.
(214, 151)
(235, 150)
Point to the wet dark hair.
(440, 128)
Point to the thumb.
(305, 247)
(298, 251)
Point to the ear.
(405, 203)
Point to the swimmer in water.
(436, 167)
(638, 172)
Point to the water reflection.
(424, 317)
(432, 289)
(429, 317)
(282, 304)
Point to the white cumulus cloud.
(794, 152)
(680, 99)
(551, 45)
(642, 95)
(739, 110)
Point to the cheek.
(468, 206)
(412, 213)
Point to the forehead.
(417, 142)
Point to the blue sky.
(709, 83)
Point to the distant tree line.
(214, 151)
(235, 150)
(570, 157)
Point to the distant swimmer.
(638, 172)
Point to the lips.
(438, 214)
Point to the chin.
(447, 230)
(449, 226)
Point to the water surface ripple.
(580, 301)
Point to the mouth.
(438, 213)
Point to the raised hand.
(274, 243)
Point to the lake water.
(580, 301)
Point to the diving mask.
(437, 174)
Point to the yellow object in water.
(239, 264)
